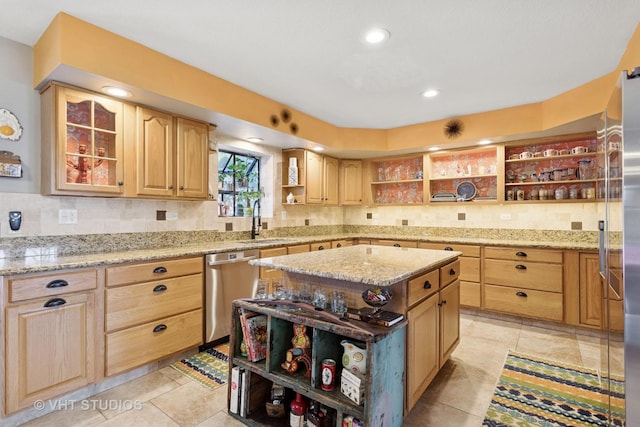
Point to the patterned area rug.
(538, 392)
(210, 367)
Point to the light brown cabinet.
(171, 156)
(82, 143)
(322, 179)
(351, 182)
(153, 310)
(50, 336)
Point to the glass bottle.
(298, 409)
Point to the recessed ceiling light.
(377, 35)
(318, 148)
(434, 148)
(116, 91)
(254, 139)
(484, 142)
(430, 93)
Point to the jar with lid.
(585, 169)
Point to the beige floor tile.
(139, 390)
(590, 351)
(147, 416)
(78, 416)
(441, 415)
(486, 358)
(495, 330)
(550, 344)
(192, 403)
(220, 419)
(175, 375)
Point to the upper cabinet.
(82, 143)
(171, 156)
(350, 182)
(560, 168)
(396, 180)
(309, 177)
(464, 175)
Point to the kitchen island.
(425, 289)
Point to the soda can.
(328, 374)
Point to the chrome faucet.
(255, 231)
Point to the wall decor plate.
(466, 190)
(10, 127)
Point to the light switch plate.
(67, 216)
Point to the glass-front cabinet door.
(89, 142)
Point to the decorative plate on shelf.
(466, 190)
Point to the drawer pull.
(396, 245)
(58, 283)
(339, 245)
(452, 272)
(159, 270)
(521, 267)
(55, 302)
(320, 247)
(161, 327)
(521, 294)
(160, 288)
(441, 303)
(427, 285)
(520, 253)
(448, 248)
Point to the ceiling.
(480, 55)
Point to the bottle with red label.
(298, 412)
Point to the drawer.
(530, 275)
(467, 250)
(449, 273)
(422, 286)
(341, 243)
(134, 304)
(45, 285)
(469, 269)
(538, 304)
(319, 246)
(395, 243)
(524, 254)
(142, 344)
(146, 272)
(298, 249)
(470, 294)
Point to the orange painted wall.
(107, 54)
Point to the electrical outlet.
(505, 216)
(67, 216)
(172, 216)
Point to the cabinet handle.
(170, 187)
(521, 267)
(181, 187)
(320, 247)
(160, 288)
(161, 327)
(521, 294)
(55, 302)
(120, 183)
(58, 283)
(427, 285)
(396, 245)
(159, 270)
(441, 303)
(339, 245)
(520, 253)
(448, 248)
(452, 272)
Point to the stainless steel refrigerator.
(619, 187)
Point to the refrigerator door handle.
(601, 247)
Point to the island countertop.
(367, 264)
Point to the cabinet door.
(591, 295)
(449, 320)
(50, 350)
(192, 160)
(331, 171)
(422, 348)
(82, 143)
(154, 153)
(351, 182)
(314, 179)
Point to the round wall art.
(10, 127)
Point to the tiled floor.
(458, 396)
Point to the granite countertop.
(368, 264)
(103, 251)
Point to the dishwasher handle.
(231, 260)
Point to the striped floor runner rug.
(210, 367)
(536, 392)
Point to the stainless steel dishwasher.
(228, 277)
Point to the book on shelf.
(254, 331)
(244, 390)
(234, 398)
(369, 315)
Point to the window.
(239, 178)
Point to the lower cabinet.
(50, 336)
(382, 380)
(153, 310)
